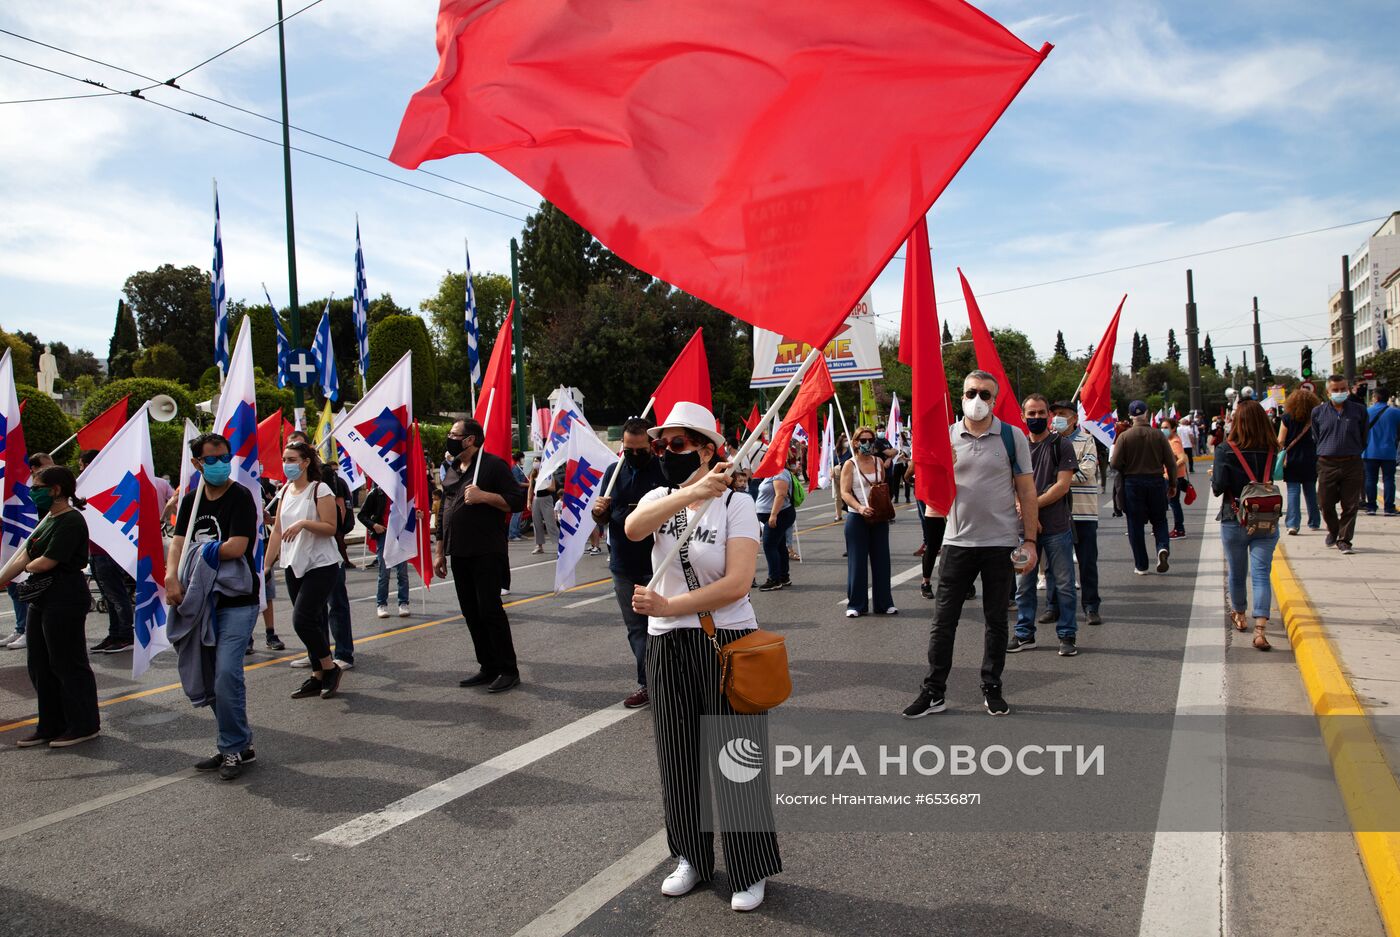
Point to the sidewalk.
(1342, 614)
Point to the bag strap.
(1009, 442)
(1301, 433)
(1377, 418)
(1249, 472)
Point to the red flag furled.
(104, 426)
(814, 449)
(757, 156)
(417, 483)
(688, 379)
(816, 390)
(497, 377)
(930, 409)
(1007, 408)
(1096, 394)
(270, 446)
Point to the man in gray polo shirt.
(992, 469)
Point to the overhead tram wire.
(330, 159)
(156, 83)
(240, 42)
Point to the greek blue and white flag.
(324, 356)
(218, 296)
(284, 349)
(473, 336)
(360, 304)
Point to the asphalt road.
(537, 811)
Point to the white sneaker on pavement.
(683, 880)
(301, 663)
(405, 611)
(19, 643)
(343, 664)
(382, 611)
(12, 636)
(749, 898)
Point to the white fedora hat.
(686, 415)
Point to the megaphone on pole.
(162, 408)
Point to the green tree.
(160, 361)
(1018, 357)
(343, 339)
(124, 346)
(139, 390)
(84, 385)
(388, 340)
(264, 339)
(1062, 377)
(556, 265)
(44, 424)
(1173, 349)
(1207, 354)
(446, 312)
(1061, 352)
(947, 333)
(21, 357)
(171, 306)
(1386, 364)
(1146, 353)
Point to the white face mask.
(1059, 424)
(976, 409)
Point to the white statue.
(48, 371)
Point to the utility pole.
(298, 397)
(1348, 324)
(522, 432)
(1258, 355)
(1193, 351)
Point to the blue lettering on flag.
(150, 610)
(124, 511)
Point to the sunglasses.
(675, 443)
(216, 459)
(970, 393)
(865, 439)
(638, 450)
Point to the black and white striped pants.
(683, 679)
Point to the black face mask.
(679, 466)
(1037, 424)
(638, 459)
(454, 447)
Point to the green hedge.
(166, 452)
(434, 441)
(44, 424)
(141, 389)
(388, 341)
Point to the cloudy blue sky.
(1153, 131)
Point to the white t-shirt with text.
(737, 519)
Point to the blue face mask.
(290, 469)
(218, 473)
(1339, 397)
(1059, 424)
(1166, 432)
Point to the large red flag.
(816, 390)
(1096, 395)
(688, 380)
(418, 497)
(270, 446)
(1007, 408)
(104, 426)
(930, 408)
(757, 156)
(497, 376)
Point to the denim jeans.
(867, 564)
(381, 595)
(1057, 555)
(515, 520)
(1086, 552)
(1252, 555)
(1383, 471)
(1145, 501)
(1302, 491)
(775, 543)
(115, 586)
(21, 609)
(623, 587)
(233, 628)
(1178, 519)
(339, 617)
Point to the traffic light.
(1306, 369)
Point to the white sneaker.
(19, 643)
(749, 898)
(891, 611)
(343, 664)
(505, 592)
(683, 880)
(852, 613)
(301, 663)
(405, 611)
(7, 639)
(382, 611)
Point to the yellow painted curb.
(1364, 777)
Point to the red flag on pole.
(497, 376)
(930, 408)
(1096, 395)
(752, 421)
(417, 485)
(104, 426)
(816, 390)
(270, 446)
(688, 379)
(757, 156)
(814, 449)
(1007, 408)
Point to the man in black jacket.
(471, 529)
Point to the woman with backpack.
(866, 493)
(1249, 514)
(1299, 459)
(776, 513)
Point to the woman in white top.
(866, 542)
(682, 666)
(303, 537)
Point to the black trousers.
(1339, 484)
(478, 583)
(897, 480)
(683, 679)
(310, 611)
(959, 569)
(933, 539)
(58, 660)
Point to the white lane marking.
(583, 602)
(97, 803)
(1186, 879)
(903, 577)
(598, 890)
(368, 826)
